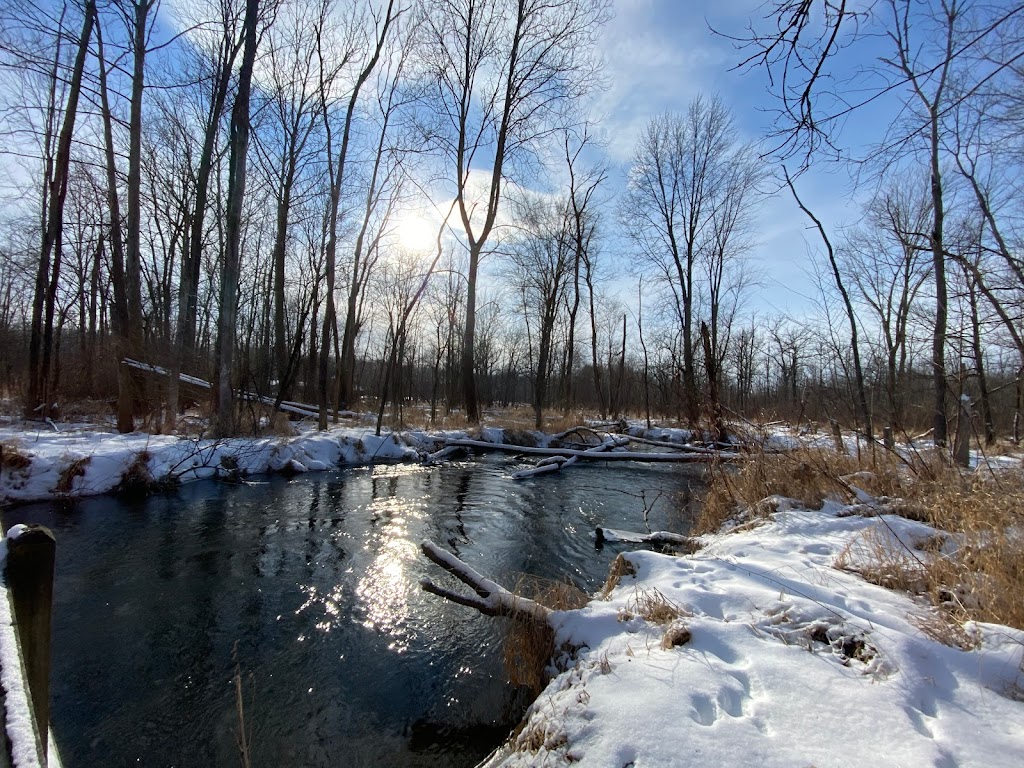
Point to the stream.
(308, 589)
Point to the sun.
(415, 232)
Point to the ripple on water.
(312, 585)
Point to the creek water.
(308, 589)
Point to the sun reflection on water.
(383, 590)
(328, 602)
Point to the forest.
(399, 205)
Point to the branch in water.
(491, 598)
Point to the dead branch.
(602, 455)
(491, 598)
(677, 446)
(545, 466)
(655, 537)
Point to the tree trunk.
(40, 336)
(941, 297)
(469, 390)
(715, 403)
(239, 138)
(132, 335)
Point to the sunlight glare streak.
(383, 591)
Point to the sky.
(659, 55)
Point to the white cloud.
(658, 57)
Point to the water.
(310, 589)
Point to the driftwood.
(655, 537)
(448, 452)
(555, 463)
(491, 598)
(681, 458)
(545, 466)
(678, 446)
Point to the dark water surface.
(312, 585)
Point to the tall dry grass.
(972, 569)
(529, 646)
(808, 475)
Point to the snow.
(20, 720)
(790, 662)
(83, 462)
(769, 648)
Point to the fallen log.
(633, 537)
(300, 409)
(491, 598)
(551, 464)
(604, 455)
(545, 466)
(667, 444)
(448, 452)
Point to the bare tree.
(679, 187)
(928, 79)
(799, 40)
(851, 316)
(584, 184)
(884, 261)
(541, 255)
(54, 195)
(382, 23)
(504, 73)
(383, 194)
(239, 145)
(292, 102)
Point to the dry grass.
(975, 572)
(66, 481)
(529, 645)
(653, 607)
(281, 426)
(138, 481)
(12, 459)
(983, 578)
(808, 475)
(620, 567)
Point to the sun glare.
(415, 232)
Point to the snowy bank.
(758, 650)
(70, 461)
(45, 464)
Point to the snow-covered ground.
(756, 650)
(782, 660)
(42, 463)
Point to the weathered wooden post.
(887, 437)
(30, 563)
(962, 446)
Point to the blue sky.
(659, 55)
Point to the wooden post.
(962, 446)
(30, 561)
(887, 437)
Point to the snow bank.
(47, 464)
(790, 662)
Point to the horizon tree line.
(223, 194)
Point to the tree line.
(407, 203)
